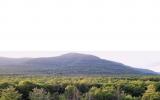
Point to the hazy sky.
(140, 59)
(79, 25)
(82, 25)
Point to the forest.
(19, 87)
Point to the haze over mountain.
(67, 64)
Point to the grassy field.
(19, 87)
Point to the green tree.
(129, 97)
(151, 93)
(24, 87)
(134, 89)
(10, 94)
(107, 93)
(71, 93)
(62, 97)
(39, 94)
(83, 88)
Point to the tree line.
(79, 88)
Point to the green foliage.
(151, 93)
(83, 88)
(79, 88)
(5, 85)
(55, 88)
(10, 94)
(39, 94)
(129, 97)
(157, 86)
(62, 97)
(135, 89)
(24, 87)
(71, 93)
(107, 93)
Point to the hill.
(67, 64)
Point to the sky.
(80, 25)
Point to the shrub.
(151, 93)
(71, 93)
(39, 94)
(10, 94)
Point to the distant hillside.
(67, 64)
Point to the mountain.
(67, 64)
(146, 71)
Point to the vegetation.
(79, 88)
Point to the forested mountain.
(67, 64)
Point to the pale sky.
(80, 25)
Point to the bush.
(102, 94)
(39, 94)
(24, 87)
(151, 93)
(71, 93)
(83, 88)
(129, 97)
(10, 94)
(133, 89)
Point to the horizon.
(138, 59)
